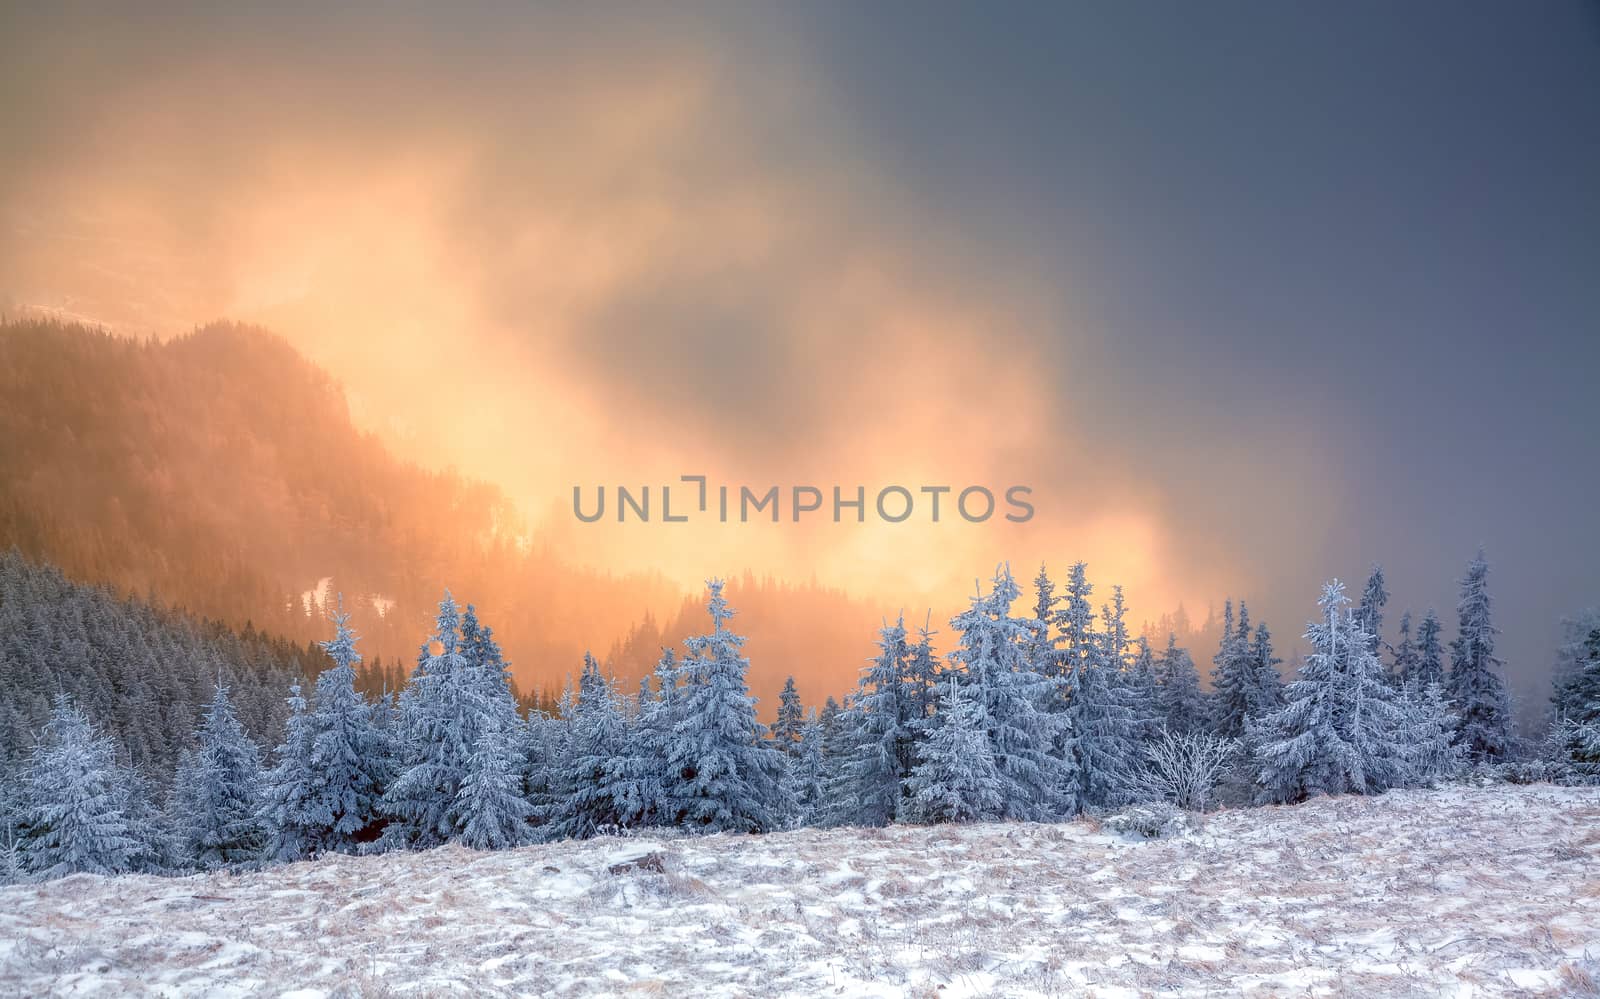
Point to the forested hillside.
(220, 472)
(143, 673)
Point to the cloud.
(557, 253)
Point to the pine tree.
(1105, 723)
(1144, 695)
(1074, 619)
(1474, 686)
(74, 801)
(791, 716)
(1370, 613)
(444, 710)
(598, 736)
(1577, 704)
(868, 787)
(156, 847)
(219, 792)
(806, 776)
(638, 777)
(727, 776)
(1340, 728)
(1406, 660)
(1430, 653)
(494, 814)
(1024, 736)
(1232, 676)
(1426, 737)
(917, 699)
(290, 791)
(1182, 702)
(1267, 694)
(351, 757)
(957, 779)
(1041, 646)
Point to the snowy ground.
(1492, 891)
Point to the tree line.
(1036, 713)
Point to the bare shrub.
(1183, 769)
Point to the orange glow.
(455, 276)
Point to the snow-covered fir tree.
(493, 810)
(1430, 653)
(727, 776)
(1426, 737)
(1183, 703)
(490, 673)
(1267, 694)
(956, 779)
(1577, 702)
(791, 716)
(638, 778)
(917, 686)
(598, 735)
(1232, 675)
(1025, 738)
(73, 810)
(1106, 721)
(1404, 668)
(1042, 645)
(352, 757)
(218, 791)
(805, 778)
(1475, 689)
(1074, 621)
(1144, 695)
(1340, 728)
(444, 709)
(868, 786)
(291, 791)
(1370, 612)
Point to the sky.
(1250, 294)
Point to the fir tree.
(1232, 675)
(1267, 694)
(1427, 737)
(791, 716)
(444, 710)
(1370, 614)
(350, 755)
(806, 776)
(597, 736)
(1474, 686)
(1340, 727)
(1577, 704)
(74, 808)
(917, 700)
(1406, 660)
(957, 779)
(1144, 695)
(290, 792)
(219, 792)
(494, 814)
(1430, 653)
(868, 786)
(727, 777)
(1182, 702)
(1035, 782)
(1041, 646)
(638, 777)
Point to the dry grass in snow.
(1465, 891)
